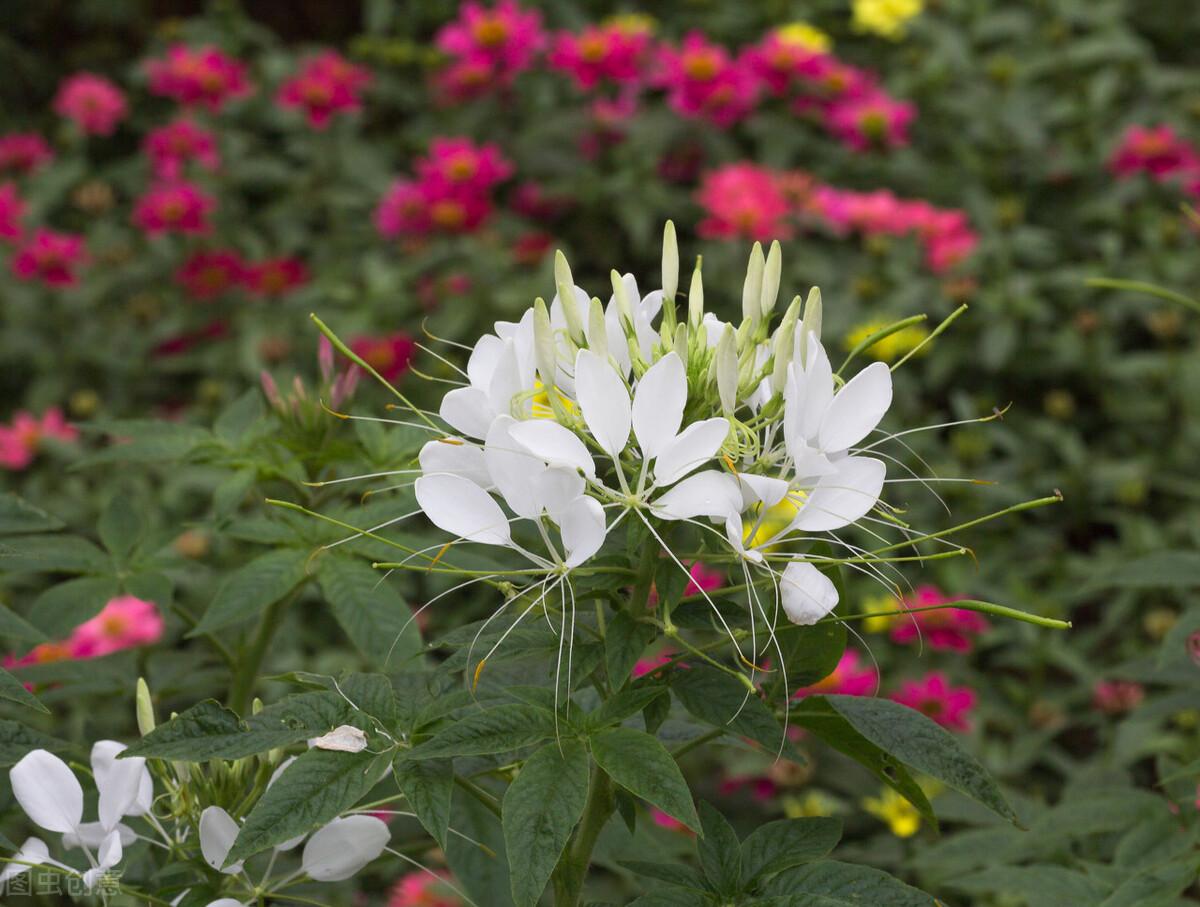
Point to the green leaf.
(428, 785)
(1040, 884)
(370, 612)
(720, 851)
(231, 491)
(239, 417)
(1159, 569)
(17, 515)
(671, 873)
(719, 700)
(924, 745)
(540, 810)
(624, 642)
(777, 846)
(318, 787)
(62, 608)
(642, 765)
(147, 441)
(624, 704)
(151, 586)
(16, 740)
(672, 898)
(499, 729)
(120, 527)
(482, 871)
(52, 554)
(210, 731)
(829, 883)
(249, 589)
(809, 654)
(14, 626)
(14, 691)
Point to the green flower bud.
(696, 297)
(670, 264)
(770, 281)
(145, 708)
(565, 284)
(597, 329)
(726, 363)
(752, 287)
(543, 343)
(811, 323)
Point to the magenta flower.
(178, 207)
(50, 257)
(466, 78)
(125, 623)
(389, 354)
(779, 64)
(92, 102)
(170, 148)
(871, 121)
(933, 696)
(24, 152)
(207, 275)
(743, 200)
(21, 439)
(421, 889)
(326, 86)
(200, 76)
(504, 35)
(275, 276)
(702, 81)
(602, 53)
(1116, 697)
(402, 211)
(12, 209)
(185, 342)
(461, 163)
(949, 629)
(1155, 150)
(851, 677)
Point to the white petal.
(857, 408)
(689, 450)
(462, 508)
(453, 455)
(218, 831)
(711, 494)
(145, 796)
(555, 444)
(468, 411)
(651, 304)
(558, 317)
(618, 346)
(555, 488)
(344, 739)
(604, 402)
(111, 850)
(513, 469)
(843, 497)
(714, 327)
(92, 835)
(48, 791)
(225, 902)
(658, 403)
(34, 851)
(583, 529)
(761, 489)
(808, 594)
(482, 362)
(507, 382)
(816, 389)
(343, 847)
(119, 781)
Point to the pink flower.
(851, 677)
(207, 275)
(125, 623)
(420, 889)
(389, 355)
(504, 35)
(871, 121)
(531, 248)
(275, 276)
(703, 577)
(21, 440)
(612, 52)
(461, 163)
(743, 200)
(50, 257)
(179, 207)
(198, 76)
(531, 200)
(651, 664)
(944, 251)
(1116, 697)
(702, 81)
(325, 86)
(948, 629)
(12, 209)
(171, 147)
(933, 696)
(1156, 150)
(179, 344)
(465, 79)
(761, 786)
(93, 102)
(662, 820)
(24, 152)
(778, 63)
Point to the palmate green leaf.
(498, 729)
(146, 441)
(481, 871)
(922, 744)
(208, 730)
(720, 851)
(13, 627)
(642, 765)
(121, 527)
(717, 699)
(829, 883)
(624, 642)
(16, 740)
(809, 654)
(428, 786)
(624, 704)
(14, 691)
(318, 787)
(780, 845)
(370, 612)
(252, 587)
(671, 873)
(63, 607)
(18, 515)
(539, 812)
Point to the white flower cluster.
(580, 414)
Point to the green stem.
(247, 673)
(571, 871)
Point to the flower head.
(951, 629)
(24, 152)
(851, 677)
(891, 347)
(174, 208)
(170, 148)
(743, 200)
(50, 257)
(1155, 150)
(207, 275)
(389, 354)
(422, 889)
(703, 81)
(933, 695)
(198, 76)
(504, 37)
(21, 439)
(886, 18)
(871, 121)
(92, 102)
(602, 53)
(275, 276)
(901, 817)
(12, 210)
(326, 86)
(1116, 697)
(126, 622)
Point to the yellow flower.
(883, 622)
(886, 18)
(541, 401)
(814, 803)
(900, 815)
(802, 34)
(890, 348)
(634, 23)
(773, 522)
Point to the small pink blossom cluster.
(1116, 697)
(172, 147)
(934, 696)
(616, 52)
(198, 76)
(423, 889)
(12, 211)
(946, 629)
(746, 200)
(1160, 153)
(703, 80)
(92, 102)
(22, 438)
(852, 677)
(487, 48)
(24, 152)
(326, 86)
(210, 274)
(125, 622)
(452, 191)
(174, 207)
(334, 389)
(50, 257)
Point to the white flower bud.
(726, 361)
(811, 323)
(696, 297)
(770, 281)
(145, 708)
(670, 263)
(624, 309)
(543, 343)
(679, 342)
(752, 287)
(597, 329)
(564, 282)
